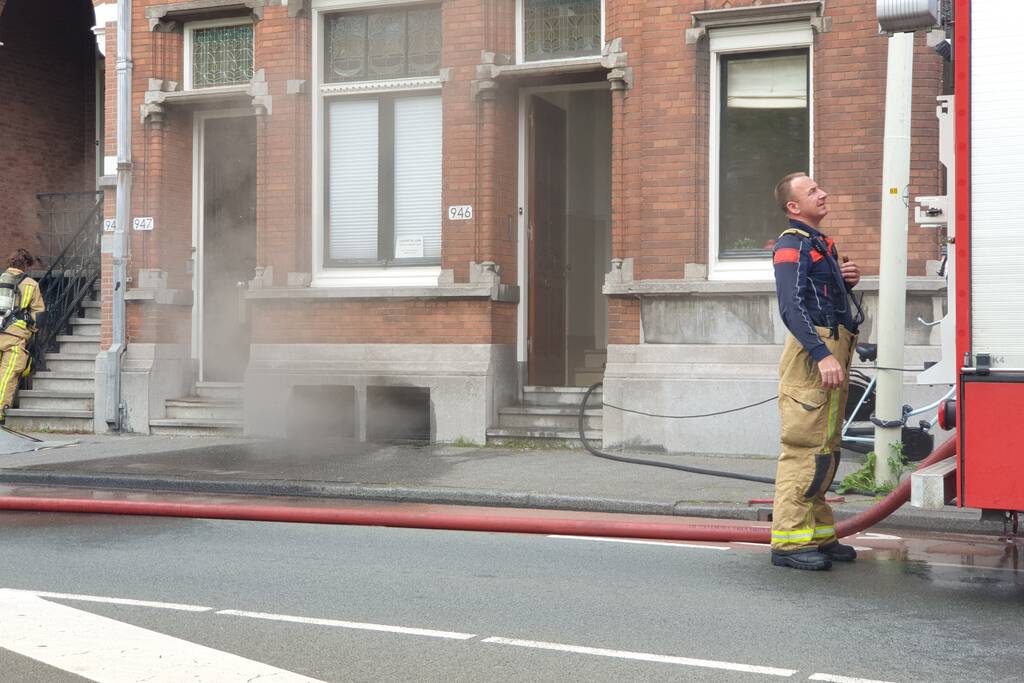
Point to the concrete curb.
(950, 520)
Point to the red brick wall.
(283, 146)
(850, 73)
(47, 113)
(391, 321)
(660, 161)
(660, 135)
(465, 139)
(623, 321)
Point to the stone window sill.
(502, 293)
(661, 288)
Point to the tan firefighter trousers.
(812, 419)
(13, 361)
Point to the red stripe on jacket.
(786, 255)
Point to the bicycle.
(858, 433)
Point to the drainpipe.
(114, 409)
(892, 277)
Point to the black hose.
(654, 463)
(581, 422)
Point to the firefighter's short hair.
(783, 189)
(21, 259)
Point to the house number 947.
(460, 213)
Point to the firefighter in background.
(21, 308)
(813, 286)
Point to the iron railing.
(62, 215)
(69, 279)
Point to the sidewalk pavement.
(562, 479)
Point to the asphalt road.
(372, 604)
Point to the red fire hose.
(470, 518)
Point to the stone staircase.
(214, 410)
(547, 414)
(61, 398)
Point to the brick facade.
(659, 149)
(47, 113)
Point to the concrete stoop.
(62, 397)
(547, 414)
(214, 410)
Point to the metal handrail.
(62, 213)
(68, 280)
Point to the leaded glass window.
(371, 46)
(221, 55)
(557, 29)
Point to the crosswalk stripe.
(109, 651)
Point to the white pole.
(892, 286)
(113, 409)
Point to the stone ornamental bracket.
(162, 94)
(169, 18)
(812, 11)
(298, 8)
(495, 67)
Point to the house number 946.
(460, 213)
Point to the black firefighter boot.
(808, 558)
(837, 552)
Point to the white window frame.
(189, 31)
(737, 40)
(356, 276)
(521, 39)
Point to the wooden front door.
(228, 244)
(546, 347)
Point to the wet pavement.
(560, 479)
(330, 601)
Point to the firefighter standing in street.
(21, 306)
(813, 286)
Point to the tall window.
(382, 175)
(218, 54)
(764, 134)
(559, 29)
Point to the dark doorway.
(569, 198)
(228, 244)
(546, 347)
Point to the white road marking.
(641, 542)
(841, 679)
(109, 651)
(872, 536)
(642, 656)
(119, 601)
(63, 637)
(350, 624)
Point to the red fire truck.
(989, 254)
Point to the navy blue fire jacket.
(810, 287)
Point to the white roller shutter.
(768, 83)
(418, 173)
(997, 182)
(352, 189)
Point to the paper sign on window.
(409, 247)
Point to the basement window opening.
(398, 414)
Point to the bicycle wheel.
(858, 387)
